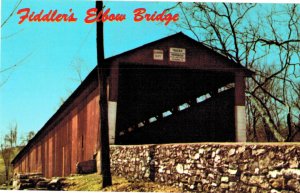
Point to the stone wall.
(132, 162)
(213, 167)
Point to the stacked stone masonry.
(212, 167)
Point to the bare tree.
(6, 153)
(243, 34)
(8, 70)
(7, 149)
(11, 13)
(11, 138)
(25, 139)
(275, 86)
(78, 65)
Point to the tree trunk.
(6, 174)
(267, 120)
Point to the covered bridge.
(171, 90)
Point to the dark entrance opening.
(171, 105)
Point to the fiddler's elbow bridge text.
(92, 15)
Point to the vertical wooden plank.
(34, 164)
(64, 141)
(50, 154)
(92, 126)
(47, 155)
(57, 150)
(75, 142)
(97, 115)
(34, 157)
(69, 145)
(21, 167)
(43, 152)
(88, 129)
(81, 130)
(63, 161)
(25, 163)
(54, 152)
(28, 162)
(67, 141)
(240, 113)
(39, 158)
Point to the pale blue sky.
(47, 53)
(33, 91)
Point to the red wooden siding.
(72, 134)
(74, 127)
(73, 137)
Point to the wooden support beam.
(239, 108)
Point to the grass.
(90, 182)
(2, 168)
(93, 182)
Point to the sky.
(48, 54)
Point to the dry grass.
(90, 182)
(93, 182)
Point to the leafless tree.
(7, 149)
(7, 71)
(11, 13)
(245, 35)
(78, 65)
(11, 138)
(6, 153)
(25, 139)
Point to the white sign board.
(177, 54)
(158, 54)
